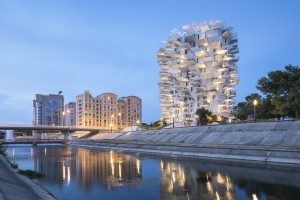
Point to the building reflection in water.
(106, 169)
(67, 167)
(176, 181)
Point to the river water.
(85, 173)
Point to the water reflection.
(191, 183)
(74, 173)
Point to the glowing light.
(64, 173)
(120, 171)
(209, 188)
(254, 197)
(255, 102)
(173, 177)
(217, 195)
(138, 164)
(69, 176)
(220, 179)
(45, 151)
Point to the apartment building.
(130, 111)
(48, 109)
(107, 111)
(198, 69)
(70, 114)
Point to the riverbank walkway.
(14, 186)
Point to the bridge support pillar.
(9, 135)
(66, 136)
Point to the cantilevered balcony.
(189, 63)
(226, 34)
(163, 74)
(206, 59)
(215, 45)
(174, 42)
(221, 51)
(217, 64)
(212, 92)
(201, 53)
(202, 42)
(183, 79)
(234, 50)
(228, 100)
(208, 75)
(218, 80)
(232, 94)
(164, 66)
(172, 53)
(225, 111)
(185, 45)
(227, 58)
(233, 39)
(235, 59)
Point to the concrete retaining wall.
(265, 142)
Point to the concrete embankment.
(14, 186)
(270, 142)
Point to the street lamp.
(111, 123)
(63, 121)
(254, 107)
(120, 121)
(68, 118)
(137, 123)
(173, 119)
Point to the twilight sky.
(110, 46)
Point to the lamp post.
(120, 121)
(63, 120)
(254, 107)
(111, 124)
(69, 117)
(173, 119)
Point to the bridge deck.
(42, 127)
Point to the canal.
(85, 173)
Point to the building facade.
(70, 114)
(48, 109)
(130, 111)
(198, 69)
(107, 111)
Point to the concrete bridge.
(38, 129)
(48, 128)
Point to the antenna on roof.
(59, 92)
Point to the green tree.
(241, 110)
(205, 116)
(283, 87)
(264, 109)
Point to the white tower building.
(198, 69)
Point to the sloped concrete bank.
(269, 142)
(14, 186)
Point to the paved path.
(14, 186)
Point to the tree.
(244, 109)
(241, 111)
(205, 116)
(265, 109)
(283, 87)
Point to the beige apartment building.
(108, 111)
